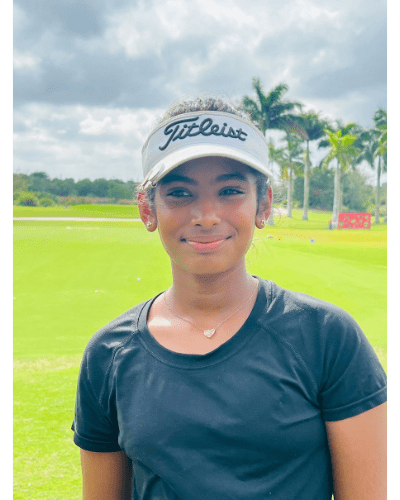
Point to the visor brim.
(185, 154)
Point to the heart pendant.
(209, 333)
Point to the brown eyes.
(178, 193)
(231, 191)
(184, 193)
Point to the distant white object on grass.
(138, 279)
(279, 211)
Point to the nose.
(205, 214)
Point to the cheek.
(169, 223)
(163, 214)
(245, 213)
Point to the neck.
(209, 293)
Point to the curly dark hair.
(206, 103)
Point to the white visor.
(199, 134)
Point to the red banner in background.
(354, 221)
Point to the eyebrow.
(176, 178)
(188, 180)
(234, 175)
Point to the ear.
(264, 210)
(146, 214)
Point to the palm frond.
(348, 140)
(257, 86)
(327, 160)
(324, 143)
(348, 128)
(276, 94)
(380, 117)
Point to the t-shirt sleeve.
(95, 425)
(353, 378)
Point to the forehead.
(210, 168)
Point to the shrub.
(73, 200)
(46, 202)
(26, 199)
(382, 210)
(127, 202)
(43, 194)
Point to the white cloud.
(78, 141)
(94, 127)
(25, 60)
(118, 122)
(140, 30)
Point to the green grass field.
(110, 211)
(71, 278)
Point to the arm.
(358, 451)
(106, 476)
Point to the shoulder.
(117, 332)
(319, 326)
(326, 338)
(294, 309)
(106, 342)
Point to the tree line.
(38, 189)
(347, 145)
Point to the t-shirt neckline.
(193, 361)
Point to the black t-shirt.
(243, 421)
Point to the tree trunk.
(377, 194)
(270, 221)
(336, 198)
(306, 184)
(385, 219)
(289, 194)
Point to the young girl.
(225, 386)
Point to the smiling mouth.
(205, 239)
(206, 244)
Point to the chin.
(214, 266)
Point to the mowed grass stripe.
(123, 211)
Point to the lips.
(206, 243)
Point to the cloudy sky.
(91, 76)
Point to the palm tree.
(341, 149)
(270, 111)
(313, 127)
(380, 120)
(354, 129)
(369, 142)
(294, 165)
(288, 160)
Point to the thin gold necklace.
(209, 333)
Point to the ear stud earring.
(148, 225)
(263, 222)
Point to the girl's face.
(206, 211)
